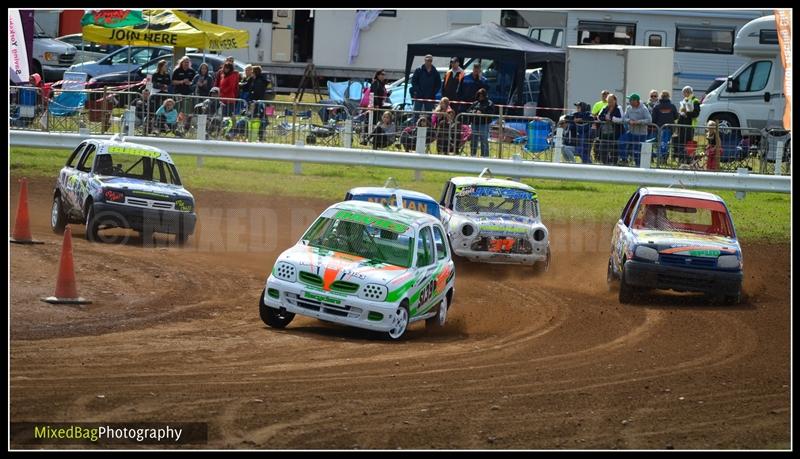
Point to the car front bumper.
(155, 220)
(503, 258)
(350, 310)
(653, 275)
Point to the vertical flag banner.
(783, 19)
(17, 51)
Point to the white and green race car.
(365, 265)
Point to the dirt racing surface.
(526, 361)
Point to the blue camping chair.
(67, 103)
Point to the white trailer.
(754, 95)
(702, 39)
(620, 69)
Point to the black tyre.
(732, 300)
(275, 318)
(92, 226)
(611, 278)
(182, 237)
(724, 120)
(58, 219)
(440, 318)
(96, 222)
(543, 266)
(626, 293)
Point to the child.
(713, 146)
(167, 118)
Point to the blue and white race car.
(677, 239)
(387, 195)
(116, 184)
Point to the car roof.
(680, 193)
(465, 181)
(409, 217)
(106, 147)
(380, 190)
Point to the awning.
(159, 28)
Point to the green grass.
(760, 216)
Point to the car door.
(421, 298)
(78, 183)
(66, 176)
(445, 267)
(446, 202)
(621, 232)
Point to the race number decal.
(426, 292)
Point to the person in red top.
(228, 89)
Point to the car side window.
(85, 165)
(626, 218)
(425, 249)
(441, 245)
(75, 155)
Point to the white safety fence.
(740, 181)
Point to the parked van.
(753, 96)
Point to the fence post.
(741, 171)
(646, 155)
(201, 127)
(779, 157)
(422, 136)
(131, 118)
(348, 133)
(517, 158)
(501, 135)
(294, 122)
(558, 145)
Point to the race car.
(669, 238)
(365, 265)
(116, 184)
(493, 220)
(412, 200)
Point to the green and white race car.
(365, 265)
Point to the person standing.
(246, 85)
(480, 124)
(228, 87)
(582, 125)
(452, 81)
(653, 101)
(182, 77)
(202, 82)
(600, 104)
(425, 83)
(379, 95)
(713, 146)
(687, 116)
(610, 119)
(637, 117)
(161, 79)
(471, 84)
(443, 122)
(218, 76)
(664, 113)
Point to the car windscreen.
(136, 167)
(362, 235)
(690, 215)
(495, 200)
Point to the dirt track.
(550, 361)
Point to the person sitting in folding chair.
(166, 119)
(385, 133)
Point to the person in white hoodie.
(636, 117)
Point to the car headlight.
(539, 234)
(48, 56)
(285, 271)
(728, 262)
(373, 292)
(646, 253)
(467, 229)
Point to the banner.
(17, 51)
(113, 18)
(783, 19)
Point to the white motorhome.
(753, 95)
(702, 39)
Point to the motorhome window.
(655, 40)
(510, 18)
(754, 77)
(702, 40)
(554, 37)
(388, 13)
(768, 37)
(606, 33)
(254, 15)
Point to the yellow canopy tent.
(159, 28)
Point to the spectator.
(713, 146)
(246, 85)
(212, 108)
(259, 85)
(637, 117)
(379, 95)
(167, 118)
(408, 138)
(182, 77)
(425, 83)
(582, 126)
(610, 119)
(688, 112)
(664, 113)
(452, 81)
(144, 108)
(384, 134)
(202, 82)
(471, 84)
(600, 104)
(228, 86)
(568, 140)
(218, 76)
(483, 107)
(161, 79)
(443, 121)
(653, 100)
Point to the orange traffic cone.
(22, 224)
(66, 291)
